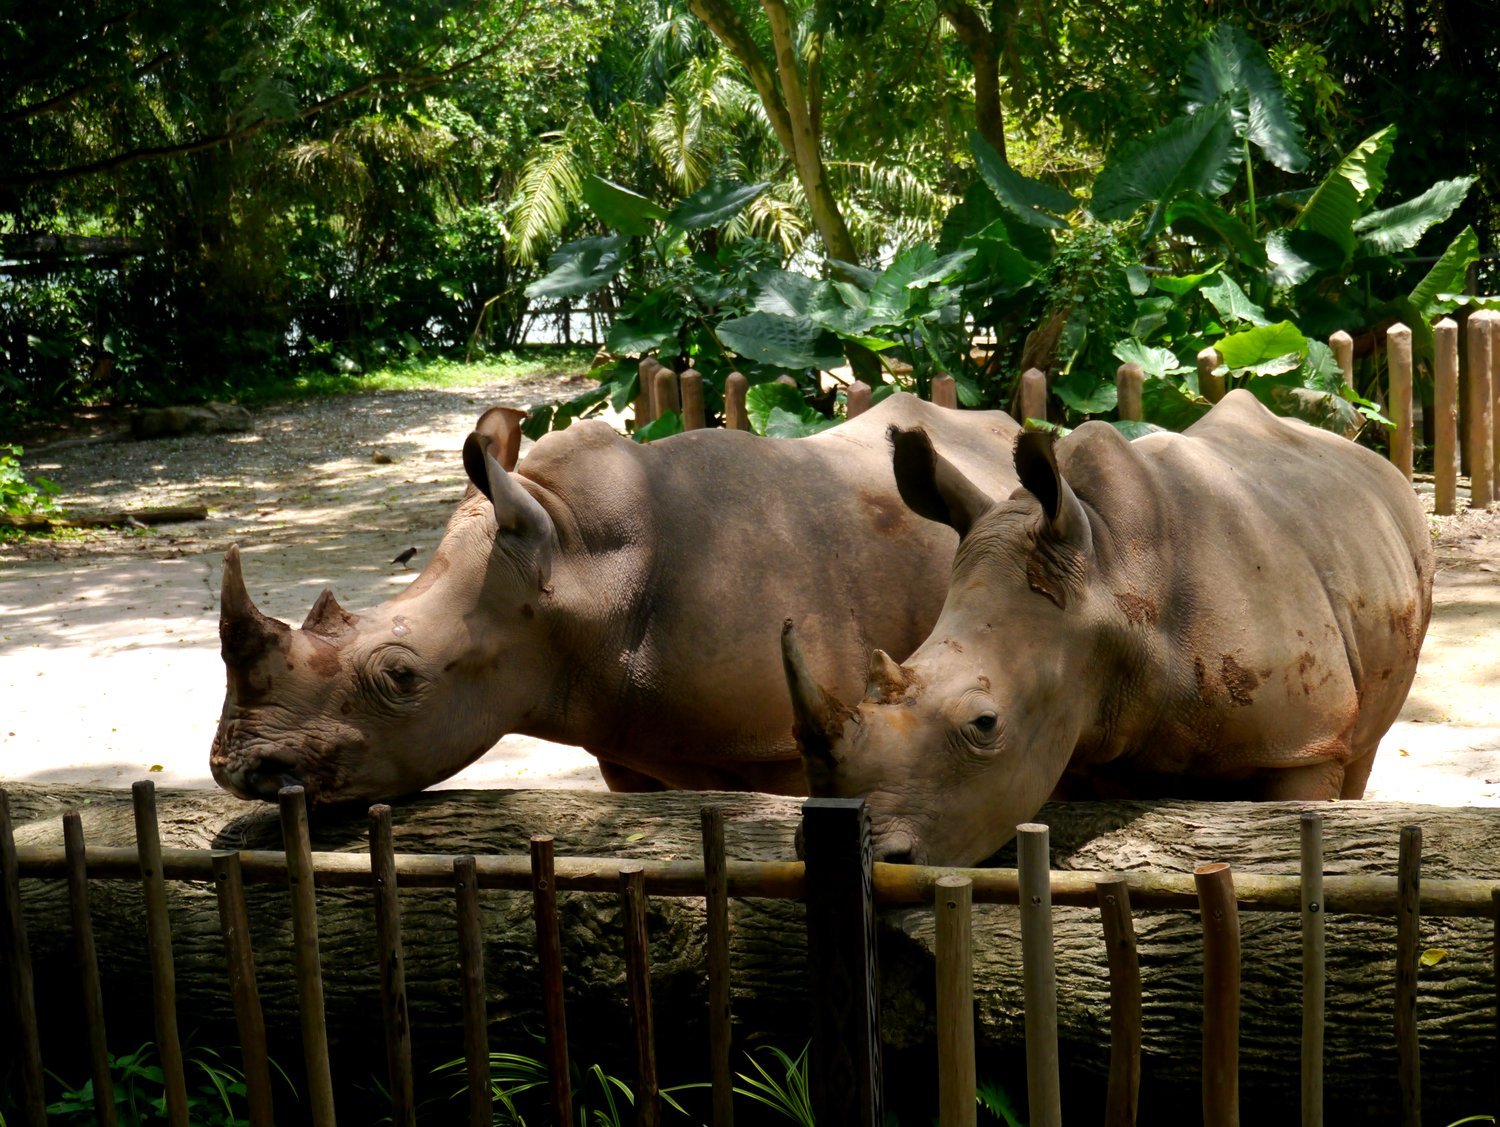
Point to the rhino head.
(390, 700)
(966, 739)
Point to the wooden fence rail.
(841, 886)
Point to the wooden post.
(392, 968)
(1221, 995)
(1495, 977)
(845, 1074)
(788, 380)
(234, 925)
(159, 944)
(858, 399)
(309, 967)
(16, 954)
(471, 972)
(1398, 364)
(549, 962)
(645, 396)
(1314, 977)
(945, 391)
(1445, 422)
(1123, 1100)
(1038, 974)
(1492, 328)
(1033, 396)
(667, 400)
(1408, 951)
(693, 415)
(716, 908)
(1342, 345)
(957, 1080)
(1210, 379)
(1129, 381)
(87, 959)
(638, 982)
(735, 387)
(1479, 413)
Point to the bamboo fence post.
(16, 954)
(392, 967)
(471, 971)
(1408, 942)
(309, 968)
(1123, 1099)
(1221, 995)
(1033, 396)
(666, 396)
(549, 961)
(735, 388)
(87, 958)
(844, 1072)
(1039, 974)
(1398, 362)
(945, 391)
(1445, 419)
(159, 944)
(1479, 412)
(638, 980)
(234, 925)
(1130, 379)
(693, 415)
(1210, 379)
(645, 396)
(716, 908)
(1314, 977)
(857, 400)
(957, 1079)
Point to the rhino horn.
(327, 619)
(819, 716)
(244, 633)
(888, 681)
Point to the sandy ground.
(109, 664)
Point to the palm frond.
(550, 186)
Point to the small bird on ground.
(405, 557)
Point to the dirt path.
(109, 665)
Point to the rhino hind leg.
(1357, 774)
(628, 780)
(1322, 779)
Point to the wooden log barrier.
(1398, 357)
(1152, 846)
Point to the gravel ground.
(109, 666)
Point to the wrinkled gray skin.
(1232, 612)
(621, 597)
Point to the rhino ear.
(519, 517)
(501, 427)
(1065, 539)
(931, 486)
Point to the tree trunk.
(983, 47)
(1456, 1010)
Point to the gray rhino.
(621, 597)
(1231, 612)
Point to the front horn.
(244, 633)
(819, 716)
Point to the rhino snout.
(899, 847)
(260, 778)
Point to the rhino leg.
(619, 778)
(1357, 773)
(1313, 781)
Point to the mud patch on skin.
(324, 661)
(1240, 682)
(887, 514)
(1137, 609)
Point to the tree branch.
(54, 104)
(980, 42)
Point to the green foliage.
(20, 497)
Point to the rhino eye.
(402, 677)
(983, 727)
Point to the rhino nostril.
(267, 779)
(895, 848)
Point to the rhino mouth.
(899, 846)
(261, 780)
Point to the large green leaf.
(580, 267)
(1448, 272)
(782, 342)
(782, 423)
(1229, 60)
(717, 203)
(1207, 222)
(1231, 303)
(619, 208)
(1180, 285)
(791, 294)
(1347, 192)
(664, 425)
(647, 326)
(761, 399)
(1261, 344)
(998, 259)
(1031, 201)
(1085, 392)
(1294, 256)
(1169, 406)
(1399, 228)
(1159, 362)
(1195, 153)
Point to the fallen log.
(170, 514)
(1455, 1002)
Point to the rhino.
(622, 597)
(1231, 612)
